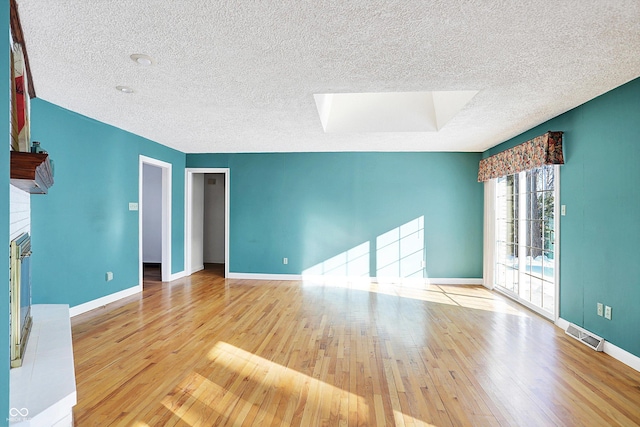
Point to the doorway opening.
(154, 219)
(207, 220)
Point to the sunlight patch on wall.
(401, 252)
(351, 263)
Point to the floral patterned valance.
(542, 150)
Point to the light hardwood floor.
(206, 351)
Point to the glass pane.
(525, 286)
(549, 266)
(536, 291)
(531, 181)
(500, 272)
(549, 177)
(549, 296)
(528, 262)
(538, 179)
(511, 256)
(501, 252)
(537, 237)
(511, 281)
(537, 206)
(537, 266)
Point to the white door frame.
(188, 207)
(166, 215)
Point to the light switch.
(563, 210)
(133, 206)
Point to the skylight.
(390, 111)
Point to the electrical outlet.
(109, 276)
(600, 309)
(285, 260)
(607, 312)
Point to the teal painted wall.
(600, 186)
(83, 227)
(5, 95)
(310, 207)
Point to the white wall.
(214, 218)
(151, 214)
(19, 212)
(197, 222)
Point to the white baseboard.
(195, 270)
(107, 299)
(624, 356)
(562, 324)
(447, 281)
(432, 281)
(261, 276)
(612, 350)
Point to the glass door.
(507, 214)
(525, 266)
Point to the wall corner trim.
(102, 301)
(612, 350)
(178, 275)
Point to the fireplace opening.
(20, 297)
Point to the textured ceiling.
(240, 76)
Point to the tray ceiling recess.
(390, 112)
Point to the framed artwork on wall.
(20, 135)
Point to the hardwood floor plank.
(204, 351)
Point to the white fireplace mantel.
(43, 389)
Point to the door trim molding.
(188, 207)
(166, 215)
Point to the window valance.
(542, 150)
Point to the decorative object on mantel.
(542, 150)
(36, 148)
(31, 172)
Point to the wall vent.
(586, 337)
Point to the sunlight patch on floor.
(198, 401)
(270, 375)
(206, 400)
(473, 297)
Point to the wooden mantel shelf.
(31, 172)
